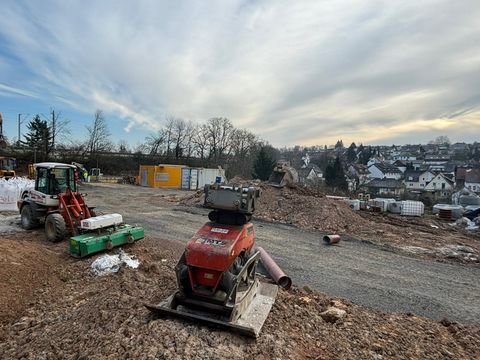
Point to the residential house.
(385, 187)
(459, 147)
(440, 184)
(417, 179)
(472, 180)
(401, 165)
(374, 160)
(360, 173)
(382, 170)
(436, 162)
(309, 173)
(404, 157)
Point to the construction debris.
(108, 264)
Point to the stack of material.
(412, 208)
(447, 211)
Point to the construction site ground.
(398, 306)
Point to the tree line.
(216, 142)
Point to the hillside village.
(430, 172)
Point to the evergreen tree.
(335, 176)
(263, 165)
(351, 153)
(365, 155)
(39, 136)
(339, 144)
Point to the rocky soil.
(54, 307)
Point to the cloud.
(6, 90)
(305, 72)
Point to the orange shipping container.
(163, 175)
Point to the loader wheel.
(29, 221)
(55, 228)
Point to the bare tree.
(190, 132)
(155, 143)
(218, 132)
(178, 136)
(243, 145)
(200, 142)
(170, 123)
(98, 135)
(123, 147)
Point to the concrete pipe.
(274, 270)
(331, 239)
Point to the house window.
(443, 186)
(434, 185)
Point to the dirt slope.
(76, 315)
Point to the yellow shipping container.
(163, 175)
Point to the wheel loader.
(56, 201)
(216, 275)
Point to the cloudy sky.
(293, 72)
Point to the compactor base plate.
(249, 323)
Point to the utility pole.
(18, 141)
(53, 130)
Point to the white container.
(395, 207)
(354, 204)
(209, 176)
(382, 203)
(99, 222)
(412, 208)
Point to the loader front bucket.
(105, 239)
(249, 323)
(277, 179)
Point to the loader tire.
(29, 221)
(55, 228)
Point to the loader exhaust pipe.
(274, 270)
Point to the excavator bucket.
(283, 175)
(252, 311)
(276, 179)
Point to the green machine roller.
(103, 233)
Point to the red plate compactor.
(216, 274)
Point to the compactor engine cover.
(212, 251)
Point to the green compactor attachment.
(93, 241)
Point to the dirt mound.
(309, 211)
(25, 266)
(81, 316)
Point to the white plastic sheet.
(108, 264)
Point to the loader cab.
(55, 178)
